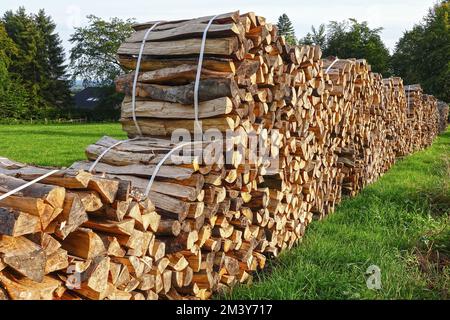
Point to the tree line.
(422, 55)
(36, 80)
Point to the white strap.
(331, 65)
(199, 71)
(106, 151)
(158, 166)
(136, 76)
(26, 185)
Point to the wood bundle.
(322, 128)
(78, 236)
(250, 91)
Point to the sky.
(395, 16)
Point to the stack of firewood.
(74, 235)
(284, 135)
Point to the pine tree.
(55, 87)
(24, 68)
(286, 29)
(39, 63)
(13, 96)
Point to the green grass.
(52, 145)
(400, 223)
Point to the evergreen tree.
(286, 29)
(39, 63)
(55, 86)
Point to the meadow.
(52, 145)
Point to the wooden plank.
(220, 47)
(176, 75)
(168, 110)
(165, 171)
(149, 64)
(155, 127)
(220, 19)
(195, 30)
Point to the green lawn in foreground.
(52, 145)
(400, 223)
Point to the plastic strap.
(199, 70)
(331, 65)
(158, 166)
(26, 185)
(106, 151)
(136, 76)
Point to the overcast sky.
(395, 16)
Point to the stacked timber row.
(295, 133)
(443, 115)
(361, 136)
(201, 207)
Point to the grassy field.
(52, 145)
(400, 224)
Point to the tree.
(422, 55)
(13, 96)
(285, 28)
(93, 57)
(55, 86)
(24, 68)
(352, 39)
(316, 36)
(38, 64)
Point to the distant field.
(52, 145)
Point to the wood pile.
(286, 134)
(423, 117)
(443, 115)
(74, 235)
